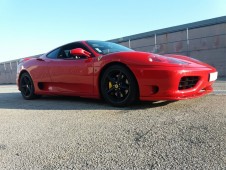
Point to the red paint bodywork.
(81, 77)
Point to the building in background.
(203, 40)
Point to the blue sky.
(30, 27)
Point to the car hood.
(145, 58)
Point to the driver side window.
(65, 51)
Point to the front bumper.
(159, 83)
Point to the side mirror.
(79, 52)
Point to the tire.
(27, 87)
(118, 86)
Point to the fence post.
(155, 43)
(188, 52)
(10, 65)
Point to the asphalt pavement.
(74, 133)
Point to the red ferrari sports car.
(119, 75)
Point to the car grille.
(188, 82)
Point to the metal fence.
(183, 47)
(8, 72)
(204, 40)
(207, 45)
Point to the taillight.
(24, 59)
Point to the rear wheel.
(118, 86)
(27, 87)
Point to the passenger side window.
(53, 54)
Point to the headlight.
(169, 60)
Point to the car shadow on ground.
(15, 101)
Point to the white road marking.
(219, 92)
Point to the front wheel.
(119, 86)
(27, 87)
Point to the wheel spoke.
(118, 94)
(23, 81)
(26, 80)
(110, 91)
(119, 78)
(121, 94)
(29, 89)
(112, 80)
(124, 87)
(26, 91)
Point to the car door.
(72, 74)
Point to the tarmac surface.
(75, 133)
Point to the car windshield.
(103, 47)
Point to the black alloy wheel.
(27, 87)
(118, 86)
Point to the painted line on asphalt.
(219, 92)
